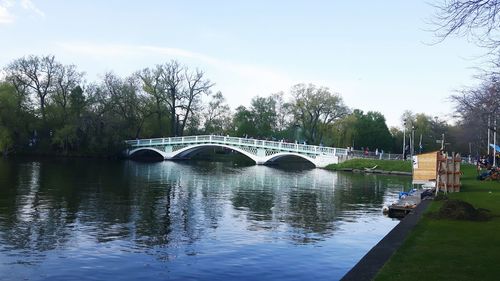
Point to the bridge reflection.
(57, 204)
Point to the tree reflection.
(57, 204)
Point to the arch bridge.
(261, 151)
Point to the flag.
(420, 144)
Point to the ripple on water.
(192, 221)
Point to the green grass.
(452, 250)
(385, 165)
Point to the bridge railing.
(284, 146)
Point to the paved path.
(372, 262)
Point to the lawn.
(385, 165)
(450, 249)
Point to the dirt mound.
(460, 210)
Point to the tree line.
(47, 107)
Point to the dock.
(407, 202)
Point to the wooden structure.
(438, 168)
(448, 177)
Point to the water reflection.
(176, 212)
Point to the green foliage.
(363, 130)
(384, 165)
(57, 114)
(65, 137)
(218, 116)
(314, 109)
(5, 140)
(243, 122)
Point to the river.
(79, 219)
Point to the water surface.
(103, 220)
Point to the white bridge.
(261, 151)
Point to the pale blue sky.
(376, 54)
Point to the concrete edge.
(372, 262)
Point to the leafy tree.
(15, 122)
(372, 131)
(263, 112)
(312, 107)
(243, 122)
(154, 86)
(217, 116)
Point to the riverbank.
(441, 249)
(398, 167)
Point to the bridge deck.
(211, 139)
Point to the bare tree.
(283, 116)
(478, 108)
(35, 74)
(479, 19)
(175, 89)
(66, 79)
(196, 86)
(173, 79)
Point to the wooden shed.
(437, 167)
(425, 167)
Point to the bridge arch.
(275, 157)
(183, 152)
(140, 149)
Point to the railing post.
(150, 141)
(182, 139)
(196, 138)
(210, 138)
(334, 151)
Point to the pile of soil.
(461, 210)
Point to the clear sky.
(377, 54)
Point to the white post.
(488, 144)
(334, 151)
(404, 137)
(495, 143)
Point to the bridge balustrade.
(283, 146)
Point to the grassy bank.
(451, 249)
(384, 165)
